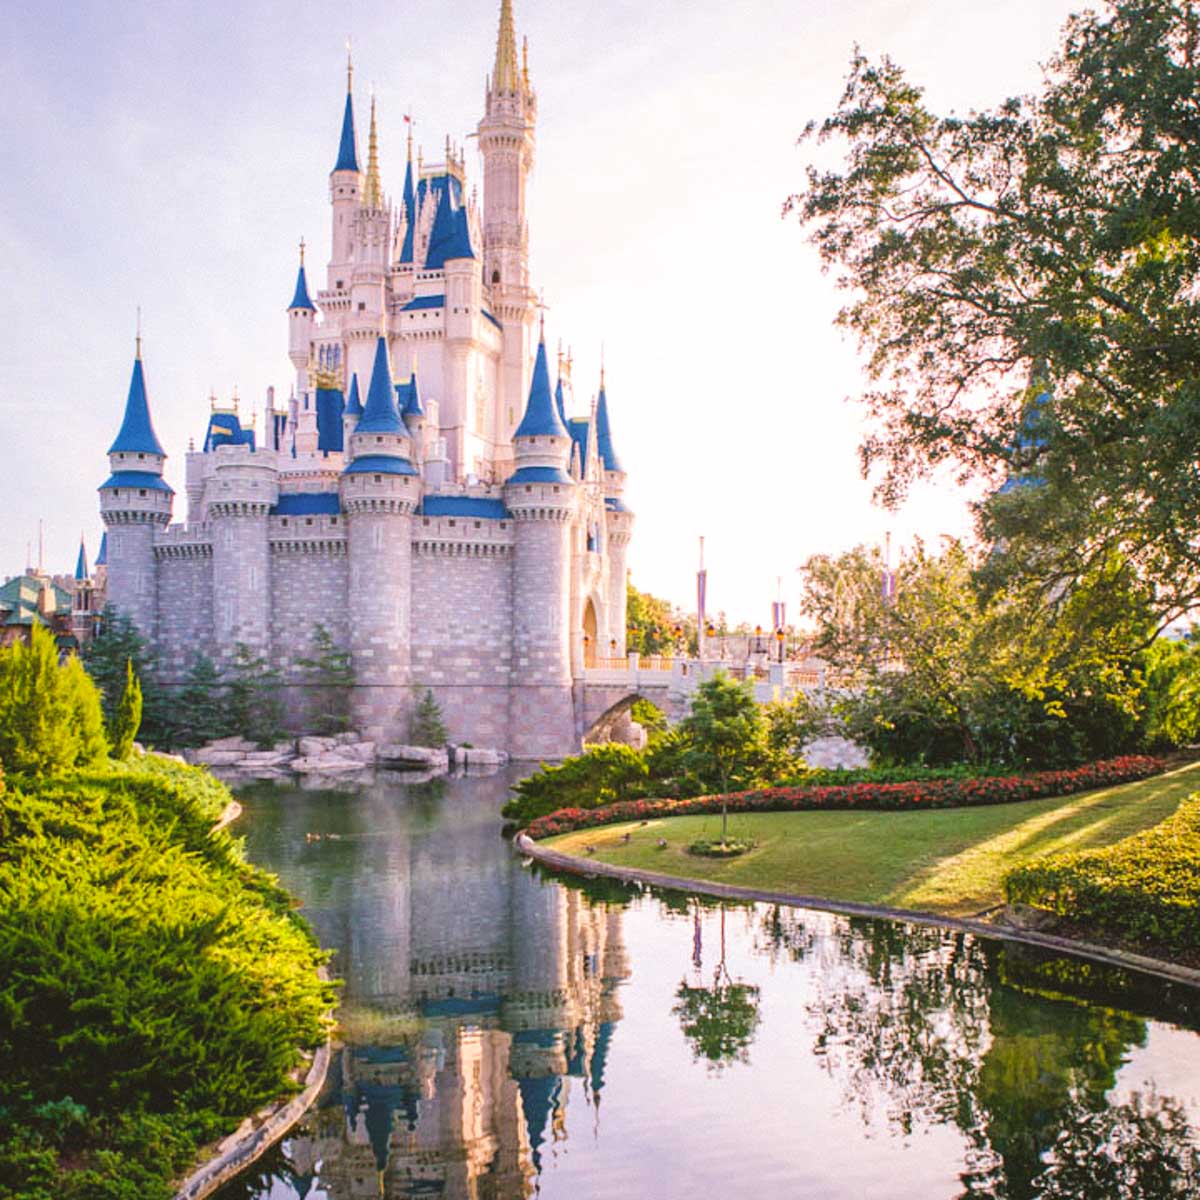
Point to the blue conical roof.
(300, 299)
(353, 403)
(381, 414)
(410, 213)
(136, 435)
(558, 402)
(604, 446)
(102, 557)
(412, 398)
(541, 415)
(347, 159)
(450, 236)
(81, 567)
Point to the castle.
(424, 494)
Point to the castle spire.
(81, 567)
(380, 414)
(347, 159)
(300, 296)
(541, 417)
(505, 75)
(608, 456)
(373, 192)
(136, 435)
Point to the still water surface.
(512, 1035)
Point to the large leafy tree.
(1056, 238)
(944, 670)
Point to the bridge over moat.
(610, 686)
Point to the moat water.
(512, 1035)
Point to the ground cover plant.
(154, 987)
(1144, 889)
(942, 860)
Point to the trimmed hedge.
(1143, 889)
(913, 795)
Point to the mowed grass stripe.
(948, 861)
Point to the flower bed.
(934, 793)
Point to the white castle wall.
(185, 598)
(462, 629)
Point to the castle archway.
(589, 634)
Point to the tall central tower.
(506, 142)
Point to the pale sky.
(170, 155)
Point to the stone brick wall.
(185, 599)
(309, 586)
(462, 636)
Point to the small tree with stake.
(427, 727)
(127, 718)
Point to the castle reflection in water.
(479, 1003)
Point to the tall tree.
(255, 708)
(128, 716)
(329, 680)
(1055, 237)
(105, 658)
(201, 711)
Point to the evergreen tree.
(118, 643)
(49, 712)
(329, 681)
(426, 727)
(254, 704)
(202, 714)
(128, 716)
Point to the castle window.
(477, 526)
(495, 276)
(362, 306)
(425, 522)
(141, 491)
(339, 284)
(452, 522)
(141, 456)
(308, 520)
(333, 520)
(378, 478)
(379, 439)
(283, 521)
(502, 525)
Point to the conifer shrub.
(426, 728)
(50, 716)
(154, 987)
(1144, 889)
(127, 718)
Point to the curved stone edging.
(1173, 972)
(240, 1149)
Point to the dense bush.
(1145, 888)
(50, 717)
(601, 775)
(154, 987)
(936, 793)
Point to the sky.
(171, 155)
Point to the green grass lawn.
(948, 861)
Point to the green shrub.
(50, 718)
(602, 775)
(426, 727)
(1145, 888)
(146, 971)
(127, 717)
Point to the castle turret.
(302, 315)
(506, 141)
(241, 490)
(618, 521)
(345, 185)
(134, 502)
(541, 497)
(379, 490)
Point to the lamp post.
(779, 642)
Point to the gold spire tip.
(137, 341)
(349, 68)
(302, 250)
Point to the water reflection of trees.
(925, 1026)
(720, 1017)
